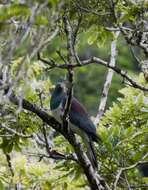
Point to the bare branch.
(71, 35)
(108, 81)
(75, 33)
(129, 37)
(51, 63)
(118, 29)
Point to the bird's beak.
(63, 85)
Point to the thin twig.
(61, 56)
(127, 182)
(75, 33)
(137, 134)
(15, 132)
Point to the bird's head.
(57, 95)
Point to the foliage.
(26, 27)
(124, 131)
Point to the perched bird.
(79, 120)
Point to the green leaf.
(7, 146)
(1, 186)
(14, 10)
(92, 38)
(41, 20)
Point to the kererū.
(79, 120)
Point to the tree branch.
(108, 81)
(99, 61)
(8, 158)
(15, 132)
(54, 155)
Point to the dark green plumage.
(56, 97)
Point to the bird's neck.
(56, 101)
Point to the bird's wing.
(79, 117)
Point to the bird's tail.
(92, 155)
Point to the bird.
(79, 120)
